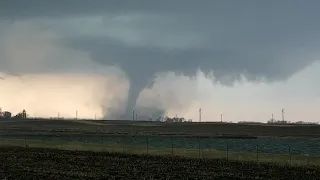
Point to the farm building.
(5, 114)
(8, 115)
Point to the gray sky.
(264, 41)
(225, 36)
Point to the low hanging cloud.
(222, 43)
(244, 101)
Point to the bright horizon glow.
(46, 95)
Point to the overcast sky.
(246, 59)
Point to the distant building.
(6, 115)
(278, 122)
(175, 119)
(22, 115)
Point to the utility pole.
(95, 117)
(200, 115)
(282, 111)
(221, 116)
(76, 114)
(136, 116)
(133, 114)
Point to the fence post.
(227, 151)
(257, 148)
(101, 142)
(147, 145)
(172, 153)
(60, 143)
(199, 147)
(81, 142)
(130, 145)
(171, 146)
(25, 141)
(42, 144)
(289, 152)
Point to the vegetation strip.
(296, 160)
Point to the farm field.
(307, 147)
(145, 127)
(299, 160)
(33, 163)
(299, 144)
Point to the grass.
(88, 128)
(192, 153)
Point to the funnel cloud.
(227, 42)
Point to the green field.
(191, 153)
(282, 144)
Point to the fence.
(195, 147)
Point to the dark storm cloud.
(62, 8)
(145, 61)
(271, 39)
(240, 36)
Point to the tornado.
(136, 87)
